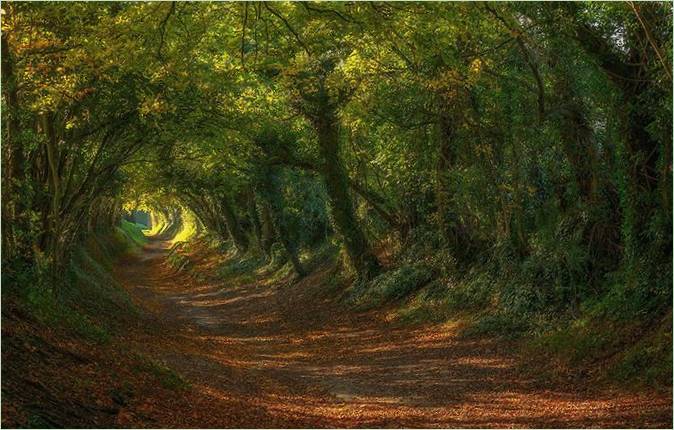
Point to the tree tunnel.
(507, 165)
(186, 120)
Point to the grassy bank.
(67, 361)
(620, 334)
(618, 330)
(86, 300)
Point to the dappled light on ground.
(253, 344)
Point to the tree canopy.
(531, 137)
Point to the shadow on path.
(306, 363)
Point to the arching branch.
(289, 27)
(162, 30)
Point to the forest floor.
(278, 354)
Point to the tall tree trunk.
(254, 217)
(233, 225)
(337, 186)
(267, 229)
(645, 161)
(273, 193)
(451, 227)
(56, 218)
(13, 156)
(577, 142)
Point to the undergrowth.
(537, 303)
(617, 328)
(166, 376)
(84, 299)
(391, 286)
(133, 234)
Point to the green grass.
(167, 377)
(391, 286)
(86, 301)
(649, 362)
(242, 269)
(500, 324)
(134, 232)
(176, 259)
(52, 310)
(628, 352)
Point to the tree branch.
(162, 30)
(289, 27)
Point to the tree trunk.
(451, 227)
(233, 226)
(56, 217)
(267, 229)
(13, 156)
(274, 196)
(577, 142)
(337, 186)
(254, 217)
(642, 153)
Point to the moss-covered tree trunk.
(451, 226)
(267, 228)
(644, 157)
(270, 187)
(254, 216)
(341, 205)
(233, 225)
(602, 231)
(576, 141)
(12, 153)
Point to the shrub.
(501, 324)
(393, 285)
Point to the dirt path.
(275, 355)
